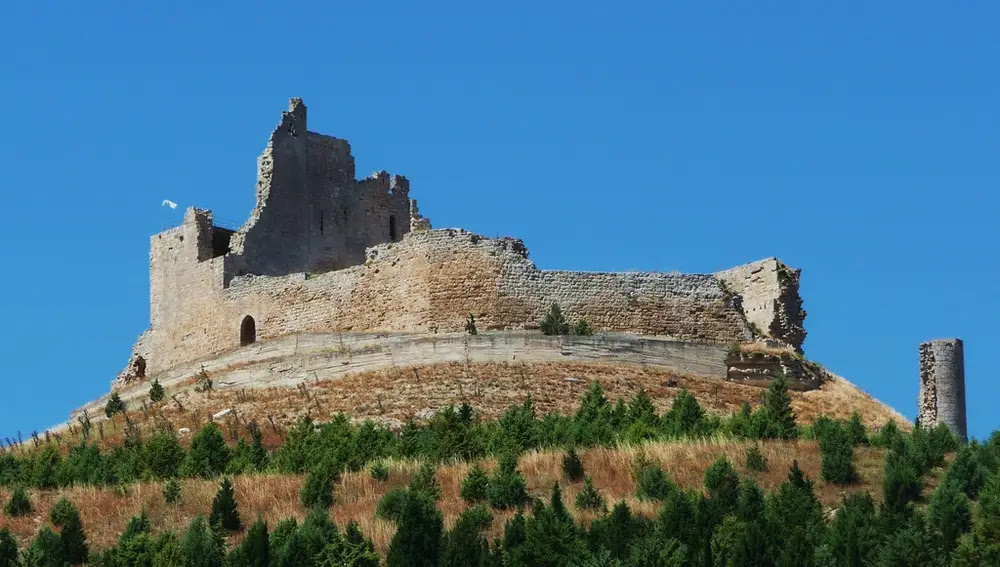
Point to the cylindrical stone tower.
(942, 385)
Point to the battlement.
(324, 252)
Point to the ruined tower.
(942, 385)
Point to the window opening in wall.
(321, 221)
(392, 227)
(248, 331)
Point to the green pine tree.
(419, 527)
(254, 550)
(225, 513)
(46, 550)
(837, 454)
(778, 404)
(209, 455)
(162, 454)
(379, 471)
(572, 466)
(755, 459)
(172, 491)
(589, 498)
(258, 454)
(856, 430)
(651, 483)
(554, 322)
(464, 545)
(156, 393)
(722, 484)
(8, 548)
(507, 488)
(114, 406)
(901, 482)
(475, 485)
(19, 503)
(66, 517)
(425, 482)
(949, 514)
(317, 491)
(201, 546)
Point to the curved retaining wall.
(294, 359)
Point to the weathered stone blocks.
(942, 385)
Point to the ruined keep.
(942, 385)
(323, 252)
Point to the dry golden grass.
(275, 497)
(766, 349)
(392, 396)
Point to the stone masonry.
(942, 385)
(769, 292)
(323, 252)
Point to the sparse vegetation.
(203, 382)
(582, 328)
(470, 325)
(379, 471)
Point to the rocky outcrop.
(758, 366)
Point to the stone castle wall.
(322, 252)
(428, 282)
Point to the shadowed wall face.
(942, 385)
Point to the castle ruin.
(323, 252)
(942, 385)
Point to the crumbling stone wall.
(760, 367)
(311, 213)
(322, 252)
(769, 292)
(942, 385)
(429, 282)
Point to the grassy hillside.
(394, 396)
(273, 497)
(375, 440)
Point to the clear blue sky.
(858, 141)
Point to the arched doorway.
(248, 331)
